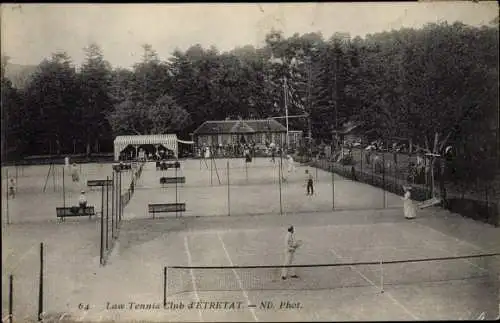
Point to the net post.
(11, 296)
(40, 286)
(211, 172)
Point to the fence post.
(120, 201)
(101, 250)
(11, 297)
(176, 194)
(280, 174)
(107, 215)
(383, 179)
(362, 158)
(164, 287)
(113, 206)
(228, 191)
(333, 185)
(40, 286)
(7, 199)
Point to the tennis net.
(482, 268)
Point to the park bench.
(166, 166)
(120, 167)
(166, 208)
(172, 180)
(72, 211)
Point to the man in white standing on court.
(291, 246)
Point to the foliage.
(437, 85)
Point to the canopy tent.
(167, 140)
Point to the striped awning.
(167, 140)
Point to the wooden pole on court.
(333, 186)
(280, 172)
(54, 176)
(107, 215)
(11, 297)
(113, 206)
(383, 179)
(102, 227)
(7, 193)
(211, 167)
(164, 287)
(40, 286)
(316, 166)
(64, 189)
(176, 212)
(228, 192)
(120, 200)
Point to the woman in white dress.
(410, 210)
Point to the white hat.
(83, 192)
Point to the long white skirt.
(409, 209)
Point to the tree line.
(437, 85)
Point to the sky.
(32, 32)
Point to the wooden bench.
(120, 167)
(99, 182)
(166, 208)
(172, 180)
(166, 166)
(72, 211)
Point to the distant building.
(350, 133)
(230, 132)
(295, 138)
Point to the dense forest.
(437, 85)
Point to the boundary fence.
(391, 175)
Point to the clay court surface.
(366, 226)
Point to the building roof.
(239, 127)
(145, 139)
(167, 140)
(348, 127)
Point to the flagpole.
(286, 111)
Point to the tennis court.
(206, 236)
(447, 289)
(233, 187)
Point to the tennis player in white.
(291, 246)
